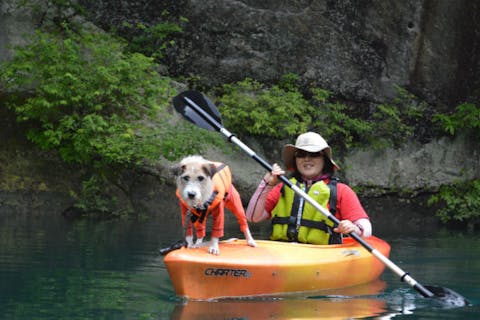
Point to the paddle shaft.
(404, 276)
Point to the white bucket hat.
(310, 142)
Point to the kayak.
(272, 268)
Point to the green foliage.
(466, 118)
(283, 111)
(390, 130)
(151, 40)
(103, 108)
(178, 139)
(332, 119)
(395, 123)
(248, 107)
(461, 202)
(86, 97)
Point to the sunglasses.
(304, 154)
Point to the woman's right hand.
(271, 178)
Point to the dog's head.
(193, 176)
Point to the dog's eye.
(200, 178)
(186, 178)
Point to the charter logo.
(225, 272)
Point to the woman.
(294, 219)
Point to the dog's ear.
(209, 169)
(177, 170)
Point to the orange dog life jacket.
(224, 195)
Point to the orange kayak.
(272, 268)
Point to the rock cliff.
(360, 50)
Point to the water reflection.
(355, 302)
(334, 308)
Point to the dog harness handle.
(203, 211)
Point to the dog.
(205, 188)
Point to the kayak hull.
(272, 268)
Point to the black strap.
(315, 224)
(333, 194)
(294, 224)
(283, 220)
(194, 217)
(219, 168)
(335, 238)
(204, 209)
(321, 225)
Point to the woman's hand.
(346, 227)
(271, 178)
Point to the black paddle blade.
(198, 109)
(173, 246)
(448, 296)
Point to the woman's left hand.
(346, 227)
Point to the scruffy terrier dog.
(205, 188)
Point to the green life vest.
(294, 219)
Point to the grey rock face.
(359, 50)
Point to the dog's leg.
(189, 239)
(198, 243)
(249, 238)
(234, 203)
(191, 244)
(213, 248)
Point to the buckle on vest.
(292, 229)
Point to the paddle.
(198, 109)
(174, 246)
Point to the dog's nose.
(191, 195)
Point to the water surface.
(52, 268)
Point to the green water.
(51, 268)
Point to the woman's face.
(309, 164)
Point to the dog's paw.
(189, 240)
(249, 238)
(197, 243)
(190, 244)
(213, 248)
(251, 243)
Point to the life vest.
(222, 180)
(294, 219)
